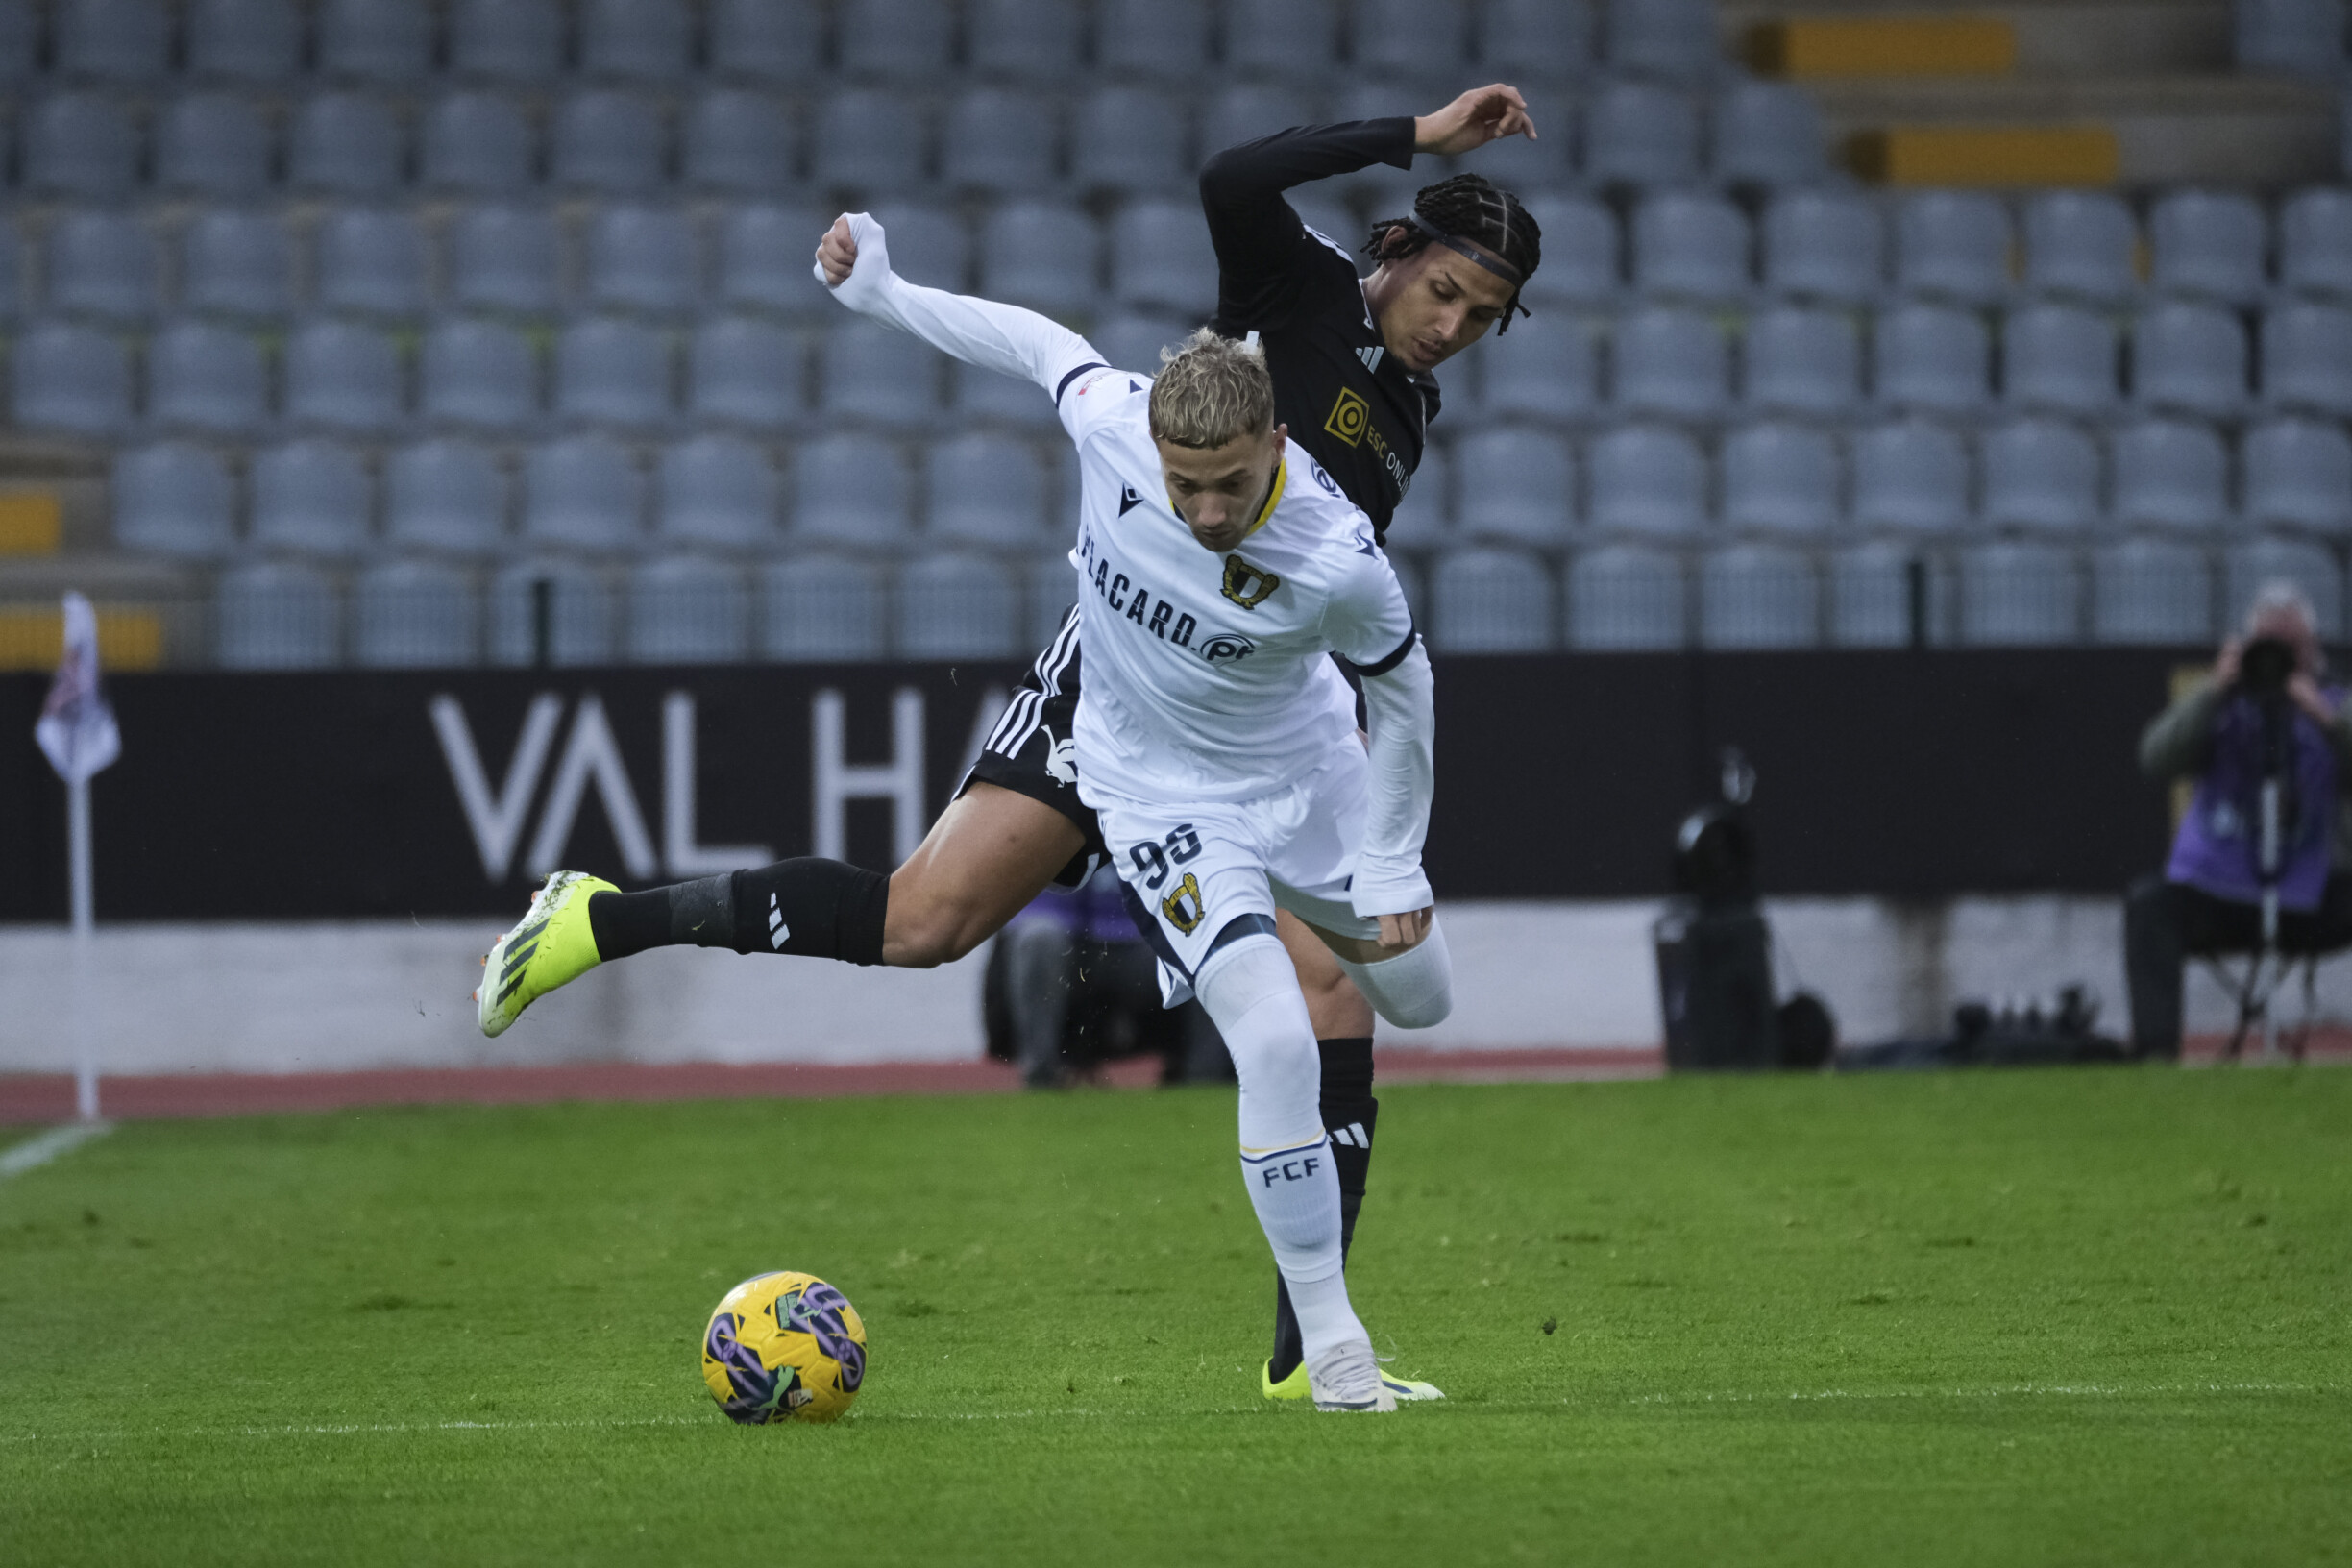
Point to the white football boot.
(1347, 1377)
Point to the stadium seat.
(1579, 249)
(19, 41)
(816, 608)
(585, 492)
(1297, 38)
(415, 615)
(200, 377)
(1410, 38)
(1543, 40)
(173, 499)
(2307, 358)
(345, 144)
(872, 372)
(112, 40)
(1160, 258)
(1758, 596)
(1050, 587)
(1955, 243)
(999, 142)
(908, 40)
(1780, 478)
(740, 143)
(1168, 41)
(13, 292)
(1646, 478)
(718, 490)
(477, 374)
(344, 378)
(311, 496)
(2041, 473)
(277, 615)
(390, 41)
(212, 145)
(1798, 360)
(1516, 485)
(1249, 110)
(2314, 231)
(1127, 342)
(852, 490)
(608, 143)
(518, 41)
(1427, 510)
(504, 258)
(1531, 168)
(1545, 368)
(1029, 40)
(1932, 358)
(475, 144)
(2080, 242)
(2190, 357)
(80, 144)
(2248, 568)
(1674, 40)
(1491, 602)
(1671, 362)
(766, 40)
(259, 41)
(636, 40)
(1691, 245)
(236, 263)
(643, 259)
(1626, 599)
(2169, 474)
(743, 371)
(2298, 475)
(763, 258)
(1638, 133)
(2014, 593)
(684, 609)
(2150, 591)
(445, 496)
(2212, 243)
(957, 607)
(2289, 37)
(2059, 357)
(612, 371)
(1130, 139)
(579, 614)
(985, 490)
(867, 140)
(1767, 134)
(70, 379)
(1327, 216)
(101, 262)
(928, 245)
(372, 263)
(1042, 254)
(1870, 592)
(1910, 475)
(1824, 244)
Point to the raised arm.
(1367, 623)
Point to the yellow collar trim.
(1282, 476)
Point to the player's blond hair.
(1212, 390)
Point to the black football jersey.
(1355, 410)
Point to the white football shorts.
(1192, 870)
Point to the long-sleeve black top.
(1360, 414)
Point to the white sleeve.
(1369, 624)
(1000, 337)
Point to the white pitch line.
(20, 1158)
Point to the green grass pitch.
(2059, 1317)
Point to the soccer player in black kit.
(1351, 365)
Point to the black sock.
(1350, 1112)
(809, 908)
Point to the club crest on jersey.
(1349, 416)
(1184, 907)
(1246, 585)
(1227, 647)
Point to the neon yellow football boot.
(552, 946)
(1294, 1386)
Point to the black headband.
(1463, 247)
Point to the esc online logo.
(499, 812)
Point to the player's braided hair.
(1466, 208)
(1212, 390)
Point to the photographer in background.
(2263, 713)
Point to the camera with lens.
(2265, 665)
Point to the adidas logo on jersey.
(1371, 357)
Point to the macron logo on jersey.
(1129, 501)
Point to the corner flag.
(77, 730)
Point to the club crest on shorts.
(1246, 585)
(1349, 416)
(1184, 907)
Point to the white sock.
(1251, 992)
(1414, 990)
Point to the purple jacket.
(2218, 846)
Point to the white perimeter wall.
(321, 998)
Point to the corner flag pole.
(77, 734)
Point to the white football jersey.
(1207, 676)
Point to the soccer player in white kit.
(1217, 743)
